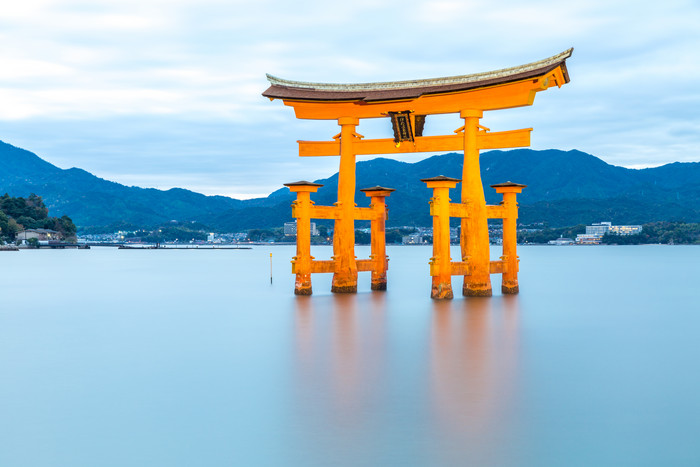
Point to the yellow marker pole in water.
(270, 268)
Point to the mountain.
(92, 201)
(564, 188)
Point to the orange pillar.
(345, 277)
(378, 235)
(475, 231)
(301, 210)
(509, 190)
(441, 263)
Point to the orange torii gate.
(407, 103)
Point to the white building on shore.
(594, 233)
(290, 229)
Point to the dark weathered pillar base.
(344, 283)
(510, 288)
(477, 290)
(379, 285)
(302, 285)
(442, 291)
(344, 288)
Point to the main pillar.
(378, 256)
(475, 231)
(345, 275)
(441, 263)
(509, 190)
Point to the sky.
(167, 93)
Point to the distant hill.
(92, 201)
(564, 188)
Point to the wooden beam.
(495, 212)
(324, 212)
(504, 139)
(502, 96)
(366, 214)
(366, 264)
(318, 148)
(459, 210)
(498, 267)
(321, 266)
(364, 147)
(383, 146)
(459, 268)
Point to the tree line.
(679, 233)
(18, 214)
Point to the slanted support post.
(509, 190)
(345, 276)
(441, 263)
(301, 210)
(378, 256)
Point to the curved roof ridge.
(419, 83)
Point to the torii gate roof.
(408, 90)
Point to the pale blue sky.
(167, 93)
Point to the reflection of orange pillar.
(301, 210)
(475, 229)
(378, 234)
(509, 190)
(440, 263)
(345, 276)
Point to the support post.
(380, 262)
(345, 277)
(301, 210)
(509, 190)
(475, 231)
(441, 263)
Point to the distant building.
(210, 238)
(413, 239)
(561, 241)
(290, 229)
(626, 229)
(39, 234)
(588, 239)
(598, 229)
(594, 233)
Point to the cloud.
(167, 93)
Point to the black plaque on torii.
(403, 126)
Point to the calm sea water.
(192, 358)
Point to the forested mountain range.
(564, 188)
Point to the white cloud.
(155, 85)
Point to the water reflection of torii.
(468, 375)
(473, 374)
(340, 368)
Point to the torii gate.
(407, 103)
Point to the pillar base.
(344, 282)
(477, 290)
(441, 291)
(344, 288)
(302, 285)
(510, 288)
(379, 285)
